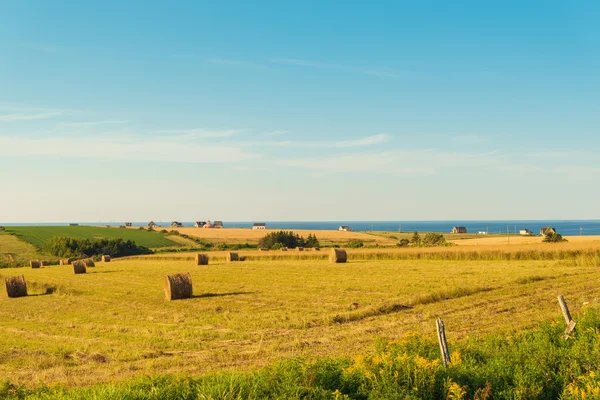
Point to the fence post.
(567, 315)
(441, 333)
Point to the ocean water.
(564, 227)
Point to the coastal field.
(326, 237)
(39, 235)
(113, 323)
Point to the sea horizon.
(566, 227)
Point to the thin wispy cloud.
(29, 116)
(199, 133)
(367, 141)
(93, 123)
(140, 149)
(316, 144)
(381, 72)
(237, 63)
(276, 133)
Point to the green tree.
(416, 239)
(553, 237)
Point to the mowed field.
(326, 237)
(113, 323)
(17, 252)
(38, 235)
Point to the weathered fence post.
(441, 333)
(567, 315)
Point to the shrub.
(553, 238)
(404, 242)
(354, 243)
(2, 229)
(277, 246)
(173, 233)
(67, 247)
(312, 241)
(164, 231)
(286, 239)
(432, 239)
(416, 239)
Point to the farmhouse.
(459, 229)
(547, 230)
(345, 228)
(199, 224)
(525, 232)
(218, 224)
(71, 224)
(259, 226)
(176, 224)
(151, 224)
(128, 224)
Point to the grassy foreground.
(534, 365)
(113, 324)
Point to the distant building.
(199, 224)
(128, 224)
(459, 229)
(218, 224)
(176, 224)
(151, 224)
(482, 233)
(72, 224)
(525, 232)
(345, 228)
(259, 226)
(547, 230)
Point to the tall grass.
(539, 364)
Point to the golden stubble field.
(113, 323)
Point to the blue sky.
(114, 111)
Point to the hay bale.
(16, 286)
(178, 286)
(233, 257)
(79, 267)
(284, 249)
(89, 262)
(106, 258)
(201, 259)
(44, 263)
(66, 261)
(300, 248)
(317, 249)
(34, 263)
(338, 256)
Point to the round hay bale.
(178, 286)
(233, 257)
(300, 248)
(79, 267)
(201, 259)
(65, 261)
(89, 262)
(44, 263)
(34, 263)
(16, 286)
(338, 256)
(284, 249)
(317, 249)
(106, 258)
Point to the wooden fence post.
(441, 333)
(567, 315)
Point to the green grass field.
(16, 252)
(38, 235)
(112, 324)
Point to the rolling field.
(15, 252)
(113, 324)
(38, 235)
(326, 237)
